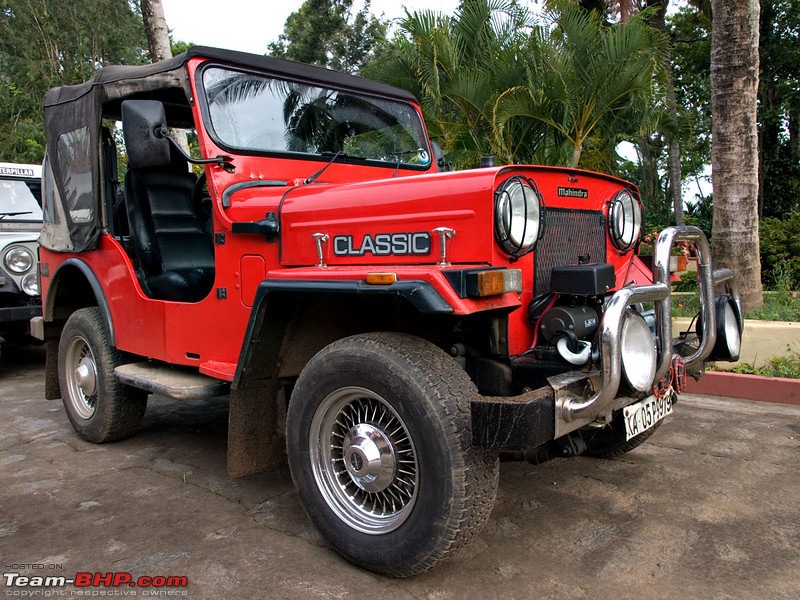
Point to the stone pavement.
(708, 508)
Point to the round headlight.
(733, 339)
(624, 220)
(517, 216)
(18, 259)
(638, 350)
(30, 284)
(729, 329)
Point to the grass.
(782, 366)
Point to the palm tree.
(491, 81)
(734, 151)
(455, 66)
(588, 83)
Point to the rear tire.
(380, 450)
(100, 408)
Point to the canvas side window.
(74, 157)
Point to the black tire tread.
(476, 470)
(121, 408)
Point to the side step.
(174, 382)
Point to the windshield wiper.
(409, 152)
(336, 155)
(14, 214)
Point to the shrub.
(780, 252)
(688, 282)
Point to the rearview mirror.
(142, 123)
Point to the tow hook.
(564, 447)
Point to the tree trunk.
(676, 180)
(674, 148)
(155, 27)
(734, 152)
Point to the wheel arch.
(73, 286)
(288, 324)
(292, 321)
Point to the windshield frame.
(324, 156)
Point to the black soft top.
(122, 80)
(73, 115)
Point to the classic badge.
(384, 244)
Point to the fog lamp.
(638, 351)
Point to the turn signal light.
(381, 278)
(494, 282)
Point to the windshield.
(254, 112)
(20, 200)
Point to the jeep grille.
(568, 235)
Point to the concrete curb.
(748, 387)
(761, 342)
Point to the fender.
(48, 310)
(420, 294)
(253, 444)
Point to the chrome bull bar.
(571, 408)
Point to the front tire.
(380, 450)
(100, 408)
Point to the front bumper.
(577, 399)
(17, 314)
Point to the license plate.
(643, 415)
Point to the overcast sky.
(250, 25)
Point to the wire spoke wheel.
(380, 449)
(364, 460)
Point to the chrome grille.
(568, 236)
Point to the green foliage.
(701, 214)
(778, 306)
(50, 43)
(787, 366)
(492, 81)
(329, 34)
(780, 252)
(779, 108)
(688, 282)
(456, 66)
(690, 38)
(587, 86)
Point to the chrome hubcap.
(369, 457)
(364, 460)
(86, 376)
(81, 371)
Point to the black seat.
(174, 253)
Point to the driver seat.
(174, 253)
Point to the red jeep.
(391, 326)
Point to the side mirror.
(142, 125)
(439, 157)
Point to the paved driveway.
(709, 508)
